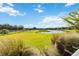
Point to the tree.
(20, 27)
(10, 27)
(6, 26)
(34, 27)
(73, 19)
(15, 27)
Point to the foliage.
(10, 27)
(73, 19)
(4, 31)
(34, 27)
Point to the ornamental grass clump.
(67, 43)
(16, 47)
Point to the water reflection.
(53, 31)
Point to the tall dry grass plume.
(67, 43)
(16, 47)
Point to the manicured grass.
(71, 31)
(31, 38)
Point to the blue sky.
(41, 15)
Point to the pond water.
(54, 31)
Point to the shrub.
(67, 43)
(4, 31)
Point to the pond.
(53, 31)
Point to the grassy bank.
(31, 42)
(31, 38)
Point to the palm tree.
(73, 19)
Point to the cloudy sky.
(41, 15)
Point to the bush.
(67, 43)
(4, 31)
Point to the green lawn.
(31, 38)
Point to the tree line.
(11, 27)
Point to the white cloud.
(39, 9)
(10, 4)
(52, 21)
(49, 19)
(69, 4)
(10, 10)
(49, 22)
(1, 4)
